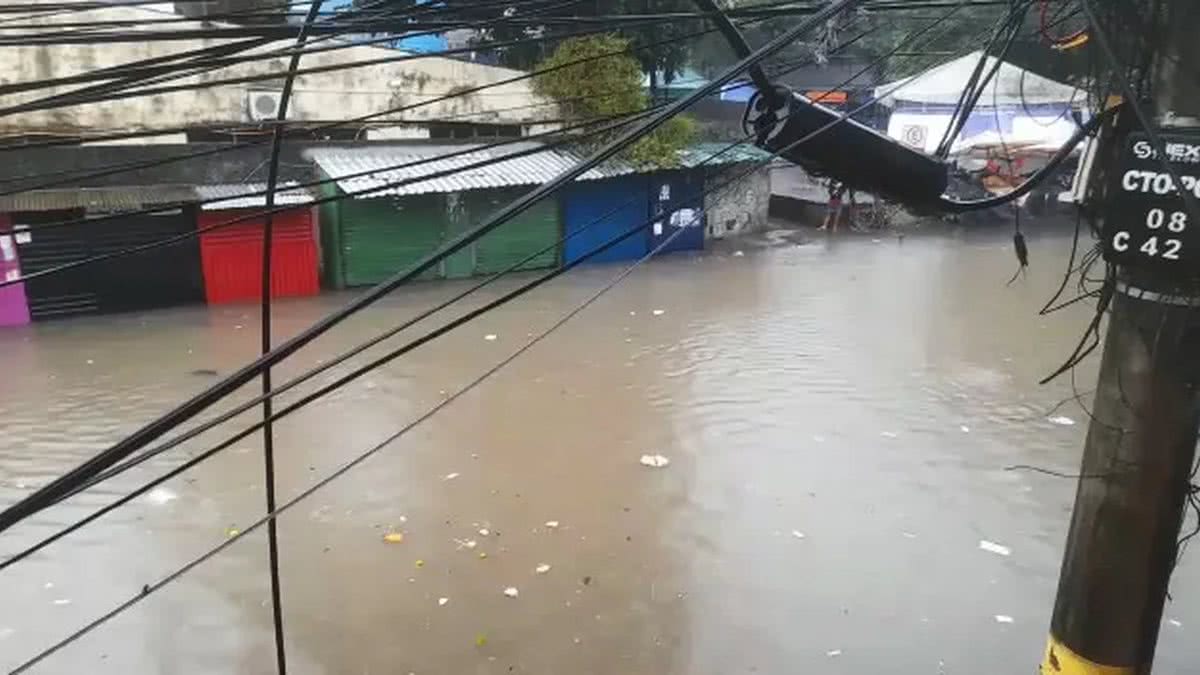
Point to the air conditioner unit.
(263, 105)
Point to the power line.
(190, 408)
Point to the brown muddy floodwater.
(838, 417)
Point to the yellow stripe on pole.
(1062, 661)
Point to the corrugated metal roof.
(372, 170)
(286, 194)
(703, 153)
(369, 172)
(107, 199)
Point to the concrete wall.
(739, 208)
(336, 95)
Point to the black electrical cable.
(975, 86)
(154, 65)
(251, 217)
(340, 382)
(1035, 179)
(374, 115)
(71, 176)
(232, 413)
(347, 467)
(973, 99)
(184, 236)
(1144, 120)
(64, 484)
(151, 588)
(285, 97)
(110, 92)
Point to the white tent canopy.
(945, 83)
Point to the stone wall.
(740, 207)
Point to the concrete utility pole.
(1141, 444)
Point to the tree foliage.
(608, 83)
(519, 24)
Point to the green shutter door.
(531, 231)
(330, 219)
(383, 236)
(458, 220)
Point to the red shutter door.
(232, 256)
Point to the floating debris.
(232, 532)
(1175, 623)
(797, 534)
(738, 254)
(833, 652)
(908, 535)
(1003, 618)
(419, 563)
(889, 434)
(394, 538)
(452, 476)
(483, 532)
(480, 640)
(552, 524)
(512, 592)
(490, 337)
(160, 496)
(483, 555)
(659, 312)
(48, 585)
(992, 547)
(62, 601)
(542, 568)
(468, 544)
(654, 461)
(965, 429)
(442, 601)
(1061, 420)
(91, 362)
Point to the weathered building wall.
(381, 82)
(740, 207)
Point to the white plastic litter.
(1061, 420)
(483, 532)
(160, 496)
(442, 601)
(552, 524)
(797, 534)
(490, 337)
(965, 429)
(512, 591)
(542, 568)
(62, 601)
(1003, 618)
(1175, 623)
(659, 312)
(451, 476)
(833, 652)
(738, 254)
(654, 461)
(992, 547)
(889, 434)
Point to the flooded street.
(838, 418)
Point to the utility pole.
(1141, 445)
